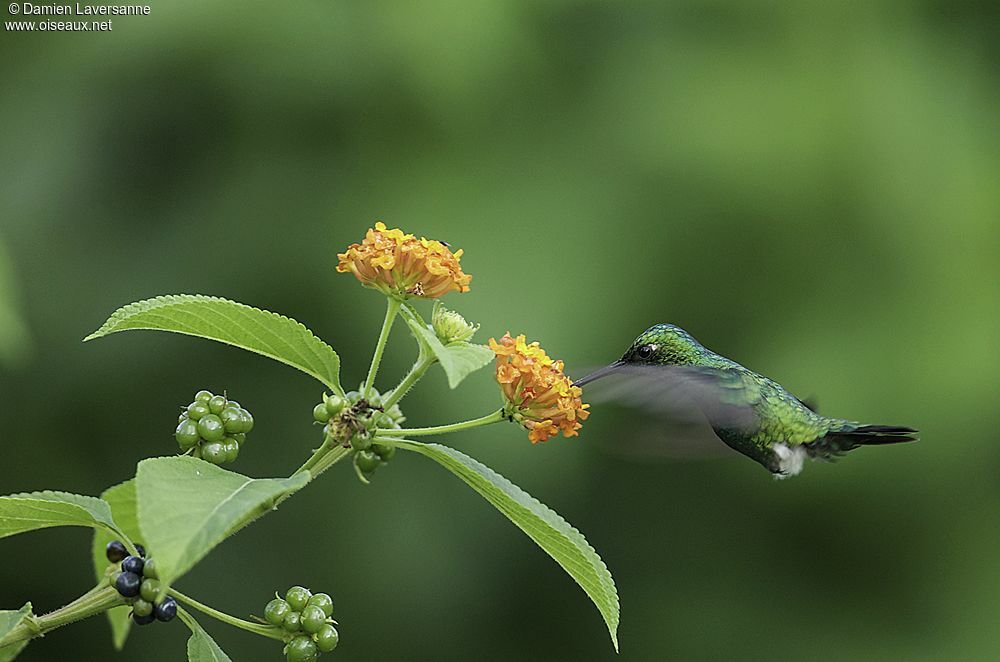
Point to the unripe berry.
(166, 610)
(203, 396)
(217, 403)
(128, 584)
(232, 419)
(149, 569)
(297, 597)
(384, 451)
(275, 611)
(186, 433)
(142, 607)
(292, 622)
(312, 619)
(198, 409)
(367, 461)
(149, 590)
(232, 449)
(115, 551)
(301, 649)
(327, 638)
(214, 452)
(247, 420)
(210, 428)
(320, 413)
(334, 404)
(323, 601)
(360, 443)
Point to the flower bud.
(449, 326)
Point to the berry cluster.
(354, 420)
(213, 427)
(137, 582)
(306, 616)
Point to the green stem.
(263, 630)
(392, 308)
(335, 454)
(495, 417)
(95, 601)
(424, 361)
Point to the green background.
(810, 188)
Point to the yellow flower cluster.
(543, 399)
(402, 265)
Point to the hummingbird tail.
(837, 442)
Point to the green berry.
(298, 597)
(149, 569)
(385, 451)
(275, 611)
(214, 452)
(210, 428)
(232, 449)
(360, 443)
(247, 420)
(320, 413)
(232, 419)
(240, 437)
(292, 622)
(142, 607)
(183, 415)
(186, 433)
(367, 461)
(334, 404)
(217, 404)
(203, 396)
(113, 579)
(301, 649)
(197, 409)
(150, 590)
(323, 601)
(327, 638)
(375, 400)
(312, 619)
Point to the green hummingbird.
(754, 415)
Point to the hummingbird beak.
(597, 374)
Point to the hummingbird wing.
(685, 394)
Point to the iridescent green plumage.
(749, 412)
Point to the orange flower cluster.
(402, 265)
(542, 398)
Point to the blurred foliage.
(809, 188)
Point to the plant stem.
(330, 458)
(495, 417)
(392, 308)
(424, 361)
(263, 630)
(95, 601)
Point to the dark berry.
(115, 551)
(368, 461)
(301, 649)
(292, 621)
(323, 601)
(297, 597)
(133, 564)
(217, 403)
(214, 452)
(203, 396)
(276, 610)
(312, 619)
(143, 620)
(210, 428)
(327, 638)
(166, 610)
(142, 607)
(149, 590)
(186, 433)
(128, 584)
(142, 550)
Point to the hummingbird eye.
(645, 352)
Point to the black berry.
(143, 620)
(141, 550)
(166, 610)
(128, 584)
(133, 564)
(115, 551)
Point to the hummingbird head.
(662, 344)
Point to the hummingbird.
(666, 367)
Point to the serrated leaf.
(10, 619)
(39, 510)
(269, 334)
(121, 499)
(457, 359)
(201, 647)
(187, 506)
(542, 524)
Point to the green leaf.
(40, 510)
(121, 499)
(201, 647)
(458, 359)
(188, 506)
(10, 619)
(272, 335)
(542, 524)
